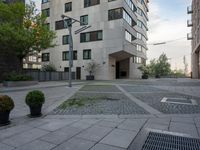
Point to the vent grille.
(159, 141)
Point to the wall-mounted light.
(104, 62)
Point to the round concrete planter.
(90, 77)
(4, 118)
(19, 83)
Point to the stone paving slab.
(24, 137)
(5, 147)
(37, 145)
(94, 133)
(119, 138)
(76, 144)
(100, 88)
(59, 136)
(105, 147)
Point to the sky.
(167, 22)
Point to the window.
(46, 12)
(91, 36)
(88, 3)
(84, 20)
(128, 36)
(68, 7)
(111, 0)
(115, 14)
(65, 55)
(131, 5)
(45, 57)
(137, 60)
(141, 25)
(60, 24)
(87, 54)
(65, 40)
(45, 1)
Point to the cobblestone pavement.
(105, 132)
(109, 103)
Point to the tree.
(160, 67)
(92, 67)
(23, 31)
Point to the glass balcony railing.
(189, 10)
(189, 36)
(189, 23)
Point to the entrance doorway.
(122, 69)
(78, 73)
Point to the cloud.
(167, 28)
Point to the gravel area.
(154, 100)
(105, 104)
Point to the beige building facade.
(116, 40)
(194, 10)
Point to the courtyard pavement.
(106, 130)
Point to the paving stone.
(95, 133)
(5, 133)
(119, 138)
(197, 122)
(76, 144)
(189, 129)
(156, 126)
(61, 135)
(108, 124)
(5, 147)
(25, 137)
(183, 120)
(117, 120)
(132, 124)
(52, 126)
(36, 123)
(163, 121)
(37, 145)
(106, 147)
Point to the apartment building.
(116, 40)
(194, 10)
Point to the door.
(78, 73)
(117, 70)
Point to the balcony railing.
(189, 36)
(189, 10)
(189, 23)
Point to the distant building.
(116, 40)
(195, 37)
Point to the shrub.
(49, 68)
(17, 77)
(6, 103)
(35, 98)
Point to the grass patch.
(80, 101)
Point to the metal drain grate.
(159, 141)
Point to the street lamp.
(69, 27)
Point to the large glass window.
(46, 12)
(68, 7)
(128, 36)
(88, 3)
(131, 5)
(91, 36)
(87, 54)
(65, 55)
(115, 14)
(84, 20)
(65, 40)
(60, 24)
(45, 1)
(45, 57)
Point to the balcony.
(189, 36)
(189, 23)
(189, 10)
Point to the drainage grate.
(160, 141)
(183, 101)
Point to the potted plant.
(91, 68)
(6, 105)
(35, 100)
(145, 71)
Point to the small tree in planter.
(145, 71)
(35, 100)
(6, 105)
(91, 69)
